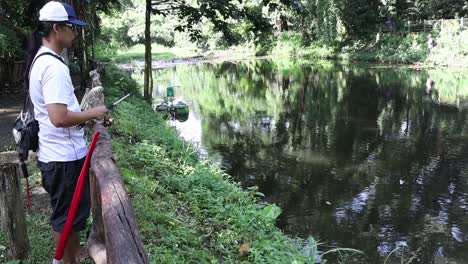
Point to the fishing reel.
(175, 111)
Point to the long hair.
(42, 30)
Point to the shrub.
(10, 44)
(451, 48)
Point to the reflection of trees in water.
(352, 155)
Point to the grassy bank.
(161, 53)
(120, 55)
(400, 48)
(451, 48)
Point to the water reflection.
(358, 156)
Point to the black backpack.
(26, 127)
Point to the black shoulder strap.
(28, 106)
(40, 55)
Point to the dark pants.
(59, 179)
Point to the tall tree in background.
(86, 10)
(148, 78)
(326, 17)
(360, 17)
(425, 9)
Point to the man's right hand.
(99, 112)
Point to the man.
(62, 147)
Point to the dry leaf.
(244, 248)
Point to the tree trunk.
(283, 23)
(81, 46)
(93, 36)
(12, 214)
(148, 82)
(84, 60)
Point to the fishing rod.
(109, 106)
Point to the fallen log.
(114, 237)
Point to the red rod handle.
(76, 200)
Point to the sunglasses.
(72, 27)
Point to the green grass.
(161, 53)
(451, 48)
(158, 52)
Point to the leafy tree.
(20, 16)
(327, 15)
(16, 17)
(360, 17)
(426, 9)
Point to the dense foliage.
(320, 19)
(364, 29)
(9, 43)
(19, 17)
(221, 24)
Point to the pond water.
(362, 156)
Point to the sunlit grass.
(159, 53)
(137, 52)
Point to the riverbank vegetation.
(391, 48)
(322, 29)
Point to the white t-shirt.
(50, 83)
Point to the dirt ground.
(10, 106)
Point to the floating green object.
(170, 91)
(179, 111)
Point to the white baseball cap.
(59, 12)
